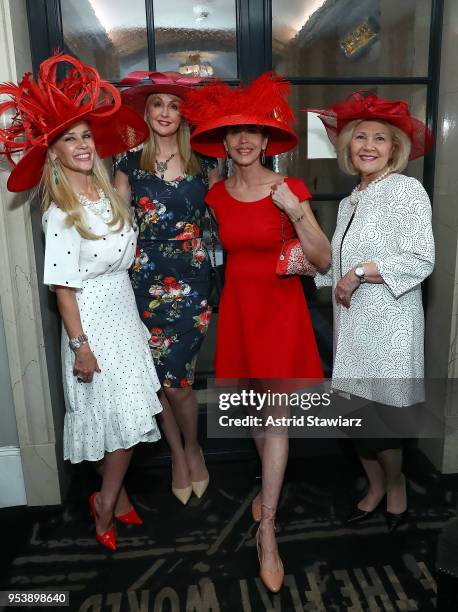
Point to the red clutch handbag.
(292, 259)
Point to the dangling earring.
(55, 172)
(263, 157)
(227, 156)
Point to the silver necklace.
(161, 166)
(100, 207)
(356, 195)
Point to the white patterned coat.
(381, 335)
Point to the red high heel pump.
(107, 539)
(129, 518)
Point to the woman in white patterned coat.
(382, 250)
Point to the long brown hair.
(148, 155)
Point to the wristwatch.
(360, 273)
(76, 343)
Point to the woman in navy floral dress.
(171, 274)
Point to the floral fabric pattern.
(171, 271)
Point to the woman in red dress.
(264, 328)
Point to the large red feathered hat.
(368, 106)
(215, 106)
(172, 83)
(46, 108)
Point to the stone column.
(19, 297)
(442, 309)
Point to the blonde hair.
(55, 187)
(148, 155)
(401, 145)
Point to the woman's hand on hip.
(345, 288)
(85, 364)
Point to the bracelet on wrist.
(76, 343)
(297, 219)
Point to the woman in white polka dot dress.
(110, 383)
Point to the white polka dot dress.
(116, 410)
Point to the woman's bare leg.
(376, 480)
(115, 466)
(185, 411)
(259, 441)
(172, 433)
(123, 504)
(396, 496)
(274, 460)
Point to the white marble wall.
(19, 298)
(442, 309)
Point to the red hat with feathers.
(215, 106)
(368, 106)
(46, 108)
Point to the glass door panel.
(336, 38)
(196, 38)
(107, 34)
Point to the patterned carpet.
(202, 557)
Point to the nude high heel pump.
(256, 510)
(200, 486)
(182, 494)
(273, 580)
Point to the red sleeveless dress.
(264, 328)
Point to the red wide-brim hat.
(369, 107)
(119, 132)
(172, 83)
(208, 137)
(215, 106)
(47, 108)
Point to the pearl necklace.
(356, 195)
(100, 207)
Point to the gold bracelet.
(298, 219)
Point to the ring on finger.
(79, 379)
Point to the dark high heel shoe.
(358, 515)
(129, 518)
(107, 539)
(393, 521)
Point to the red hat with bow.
(172, 83)
(46, 108)
(370, 107)
(215, 106)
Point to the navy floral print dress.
(171, 272)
